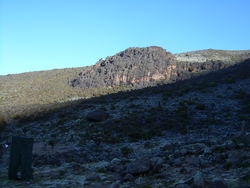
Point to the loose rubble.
(172, 161)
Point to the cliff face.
(141, 67)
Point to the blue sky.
(48, 34)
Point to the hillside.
(189, 133)
(142, 67)
(134, 68)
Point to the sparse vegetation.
(200, 106)
(52, 143)
(2, 123)
(219, 149)
(126, 150)
(186, 110)
(246, 177)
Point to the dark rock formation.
(140, 67)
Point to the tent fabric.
(1, 151)
(21, 157)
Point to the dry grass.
(32, 93)
(211, 54)
(38, 92)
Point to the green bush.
(219, 149)
(200, 106)
(125, 150)
(2, 123)
(246, 177)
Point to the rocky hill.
(190, 133)
(142, 67)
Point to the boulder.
(128, 177)
(197, 148)
(156, 163)
(116, 184)
(168, 147)
(139, 166)
(92, 176)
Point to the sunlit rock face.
(149, 66)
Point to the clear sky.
(48, 34)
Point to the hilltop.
(142, 67)
(190, 129)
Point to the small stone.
(197, 148)
(139, 166)
(156, 163)
(233, 159)
(183, 170)
(167, 168)
(177, 154)
(147, 145)
(176, 163)
(247, 140)
(115, 161)
(128, 177)
(218, 183)
(116, 184)
(198, 180)
(195, 161)
(140, 181)
(92, 176)
(230, 145)
(182, 186)
(184, 152)
(204, 161)
(208, 150)
(167, 146)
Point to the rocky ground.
(192, 133)
(214, 155)
(198, 159)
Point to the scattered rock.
(182, 185)
(128, 177)
(218, 183)
(139, 166)
(116, 184)
(198, 180)
(208, 150)
(197, 148)
(148, 145)
(176, 162)
(247, 140)
(233, 160)
(156, 163)
(92, 176)
(167, 146)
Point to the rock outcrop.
(141, 67)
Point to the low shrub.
(125, 150)
(2, 123)
(200, 106)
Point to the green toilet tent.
(21, 158)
